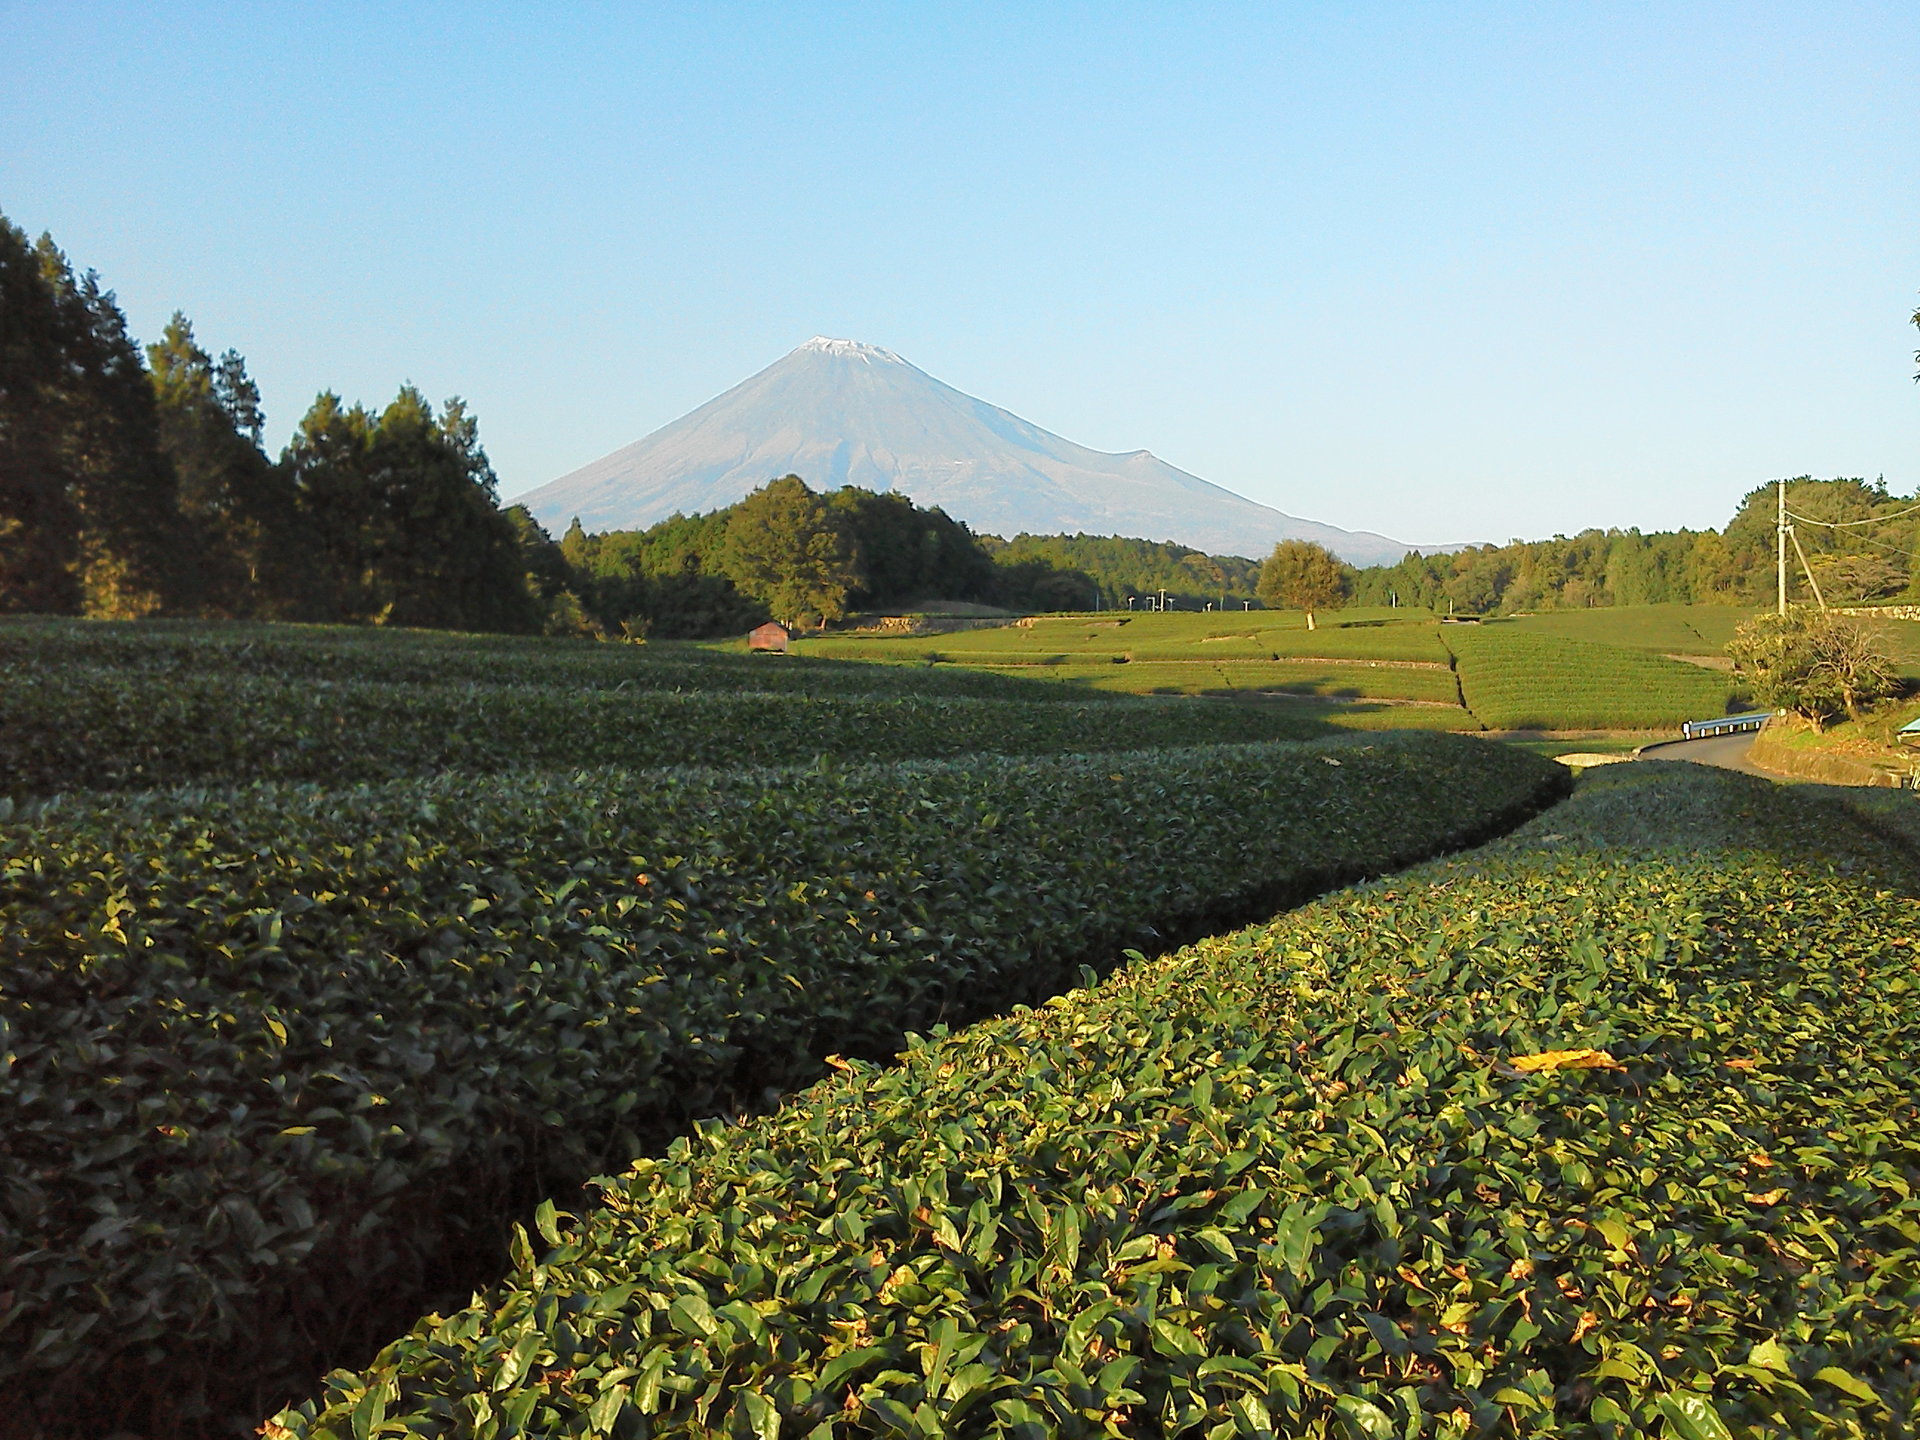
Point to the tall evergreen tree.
(241, 503)
(88, 503)
(39, 516)
(404, 508)
(136, 555)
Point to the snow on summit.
(829, 346)
(842, 412)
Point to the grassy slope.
(1287, 1181)
(1368, 661)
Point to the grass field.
(1359, 634)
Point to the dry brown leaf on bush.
(1565, 1060)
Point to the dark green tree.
(39, 477)
(550, 578)
(789, 549)
(88, 502)
(908, 554)
(239, 501)
(404, 508)
(1111, 567)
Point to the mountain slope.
(836, 412)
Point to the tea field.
(1514, 679)
(1366, 668)
(1604, 1130)
(284, 1059)
(94, 707)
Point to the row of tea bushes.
(323, 652)
(274, 1051)
(1321, 1178)
(102, 728)
(1515, 679)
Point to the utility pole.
(1780, 546)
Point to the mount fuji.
(837, 412)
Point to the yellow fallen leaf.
(1566, 1060)
(1771, 1197)
(1742, 1064)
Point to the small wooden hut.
(771, 637)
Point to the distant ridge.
(838, 412)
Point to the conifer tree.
(39, 517)
(404, 509)
(88, 504)
(240, 502)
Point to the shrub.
(102, 728)
(1550, 1140)
(281, 1058)
(1813, 663)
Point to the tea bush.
(1318, 1178)
(108, 728)
(275, 1052)
(1515, 679)
(338, 652)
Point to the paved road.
(1729, 752)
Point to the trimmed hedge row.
(1320, 1178)
(323, 652)
(274, 1052)
(1517, 679)
(99, 728)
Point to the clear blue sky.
(1445, 271)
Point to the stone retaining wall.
(1883, 612)
(1771, 752)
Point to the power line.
(1844, 524)
(1883, 545)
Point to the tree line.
(133, 482)
(1855, 564)
(808, 558)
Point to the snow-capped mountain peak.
(827, 345)
(884, 424)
